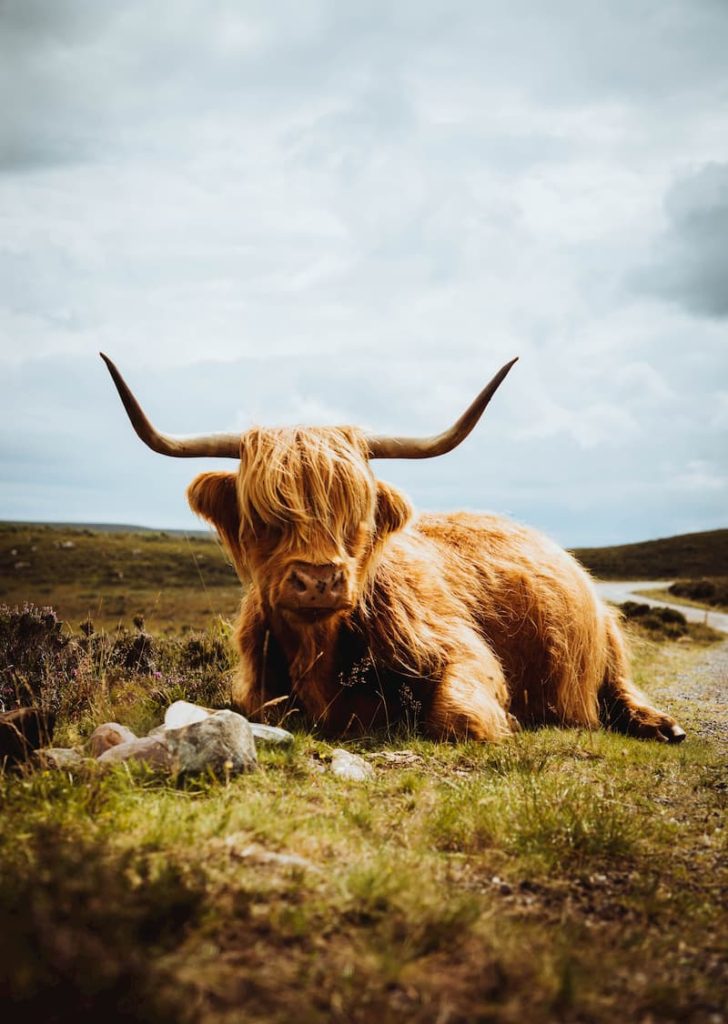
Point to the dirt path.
(618, 591)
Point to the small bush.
(712, 591)
(668, 623)
(37, 660)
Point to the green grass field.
(563, 876)
(177, 582)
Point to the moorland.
(562, 876)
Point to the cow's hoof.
(666, 732)
(673, 733)
(655, 726)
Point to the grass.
(562, 876)
(465, 882)
(502, 883)
(176, 582)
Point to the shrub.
(713, 591)
(36, 658)
(42, 665)
(658, 622)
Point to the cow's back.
(535, 606)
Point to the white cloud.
(701, 476)
(333, 212)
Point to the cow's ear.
(213, 496)
(393, 509)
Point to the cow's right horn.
(382, 447)
(225, 446)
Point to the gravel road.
(704, 684)
(618, 591)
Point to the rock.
(22, 731)
(397, 758)
(271, 735)
(151, 750)
(253, 851)
(183, 713)
(110, 734)
(222, 742)
(350, 766)
(60, 758)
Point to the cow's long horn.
(212, 445)
(427, 447)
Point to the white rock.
(222, 742)
(183, 713)
(271, 735)
(350, 766)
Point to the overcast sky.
(341, 211)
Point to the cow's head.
(304, 516)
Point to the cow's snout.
(314, 587)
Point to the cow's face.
(303, 518)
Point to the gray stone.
(110, 734)
(271, 735)
(350, 766)
(60, 758)
(258, 854)
(151, 750)
(222, 742)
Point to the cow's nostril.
(298, 584)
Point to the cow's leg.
(621, 705)
(261, 687)
(471, 700)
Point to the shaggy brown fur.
(464, 626)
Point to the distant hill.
(687, 556)
(103, 528)
(38, 561)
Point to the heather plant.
(43, 664)
(38, 661)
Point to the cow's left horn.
(427, 447)
(212, 445)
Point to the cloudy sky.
(332, 211)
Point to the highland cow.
(362, 617)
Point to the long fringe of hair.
(309, 484)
